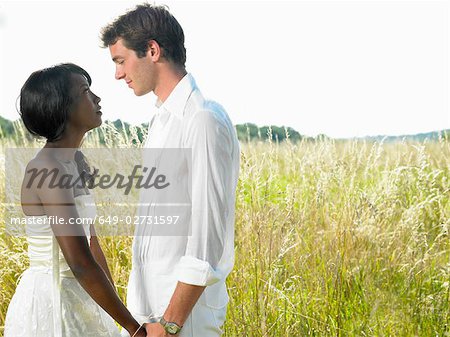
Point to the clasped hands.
(153, 330)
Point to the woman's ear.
(154, 50)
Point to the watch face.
(171, 328)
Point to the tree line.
(248, 132)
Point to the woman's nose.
(97, 99)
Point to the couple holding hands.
(177, 283)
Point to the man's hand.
(156, 330)
(141, 333)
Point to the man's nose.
(119, 74)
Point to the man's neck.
(168, 80)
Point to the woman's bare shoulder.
(45, 161)
(42, 170)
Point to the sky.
(340, 68)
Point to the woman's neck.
(70, 139)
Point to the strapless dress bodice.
(41, 239)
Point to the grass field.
(332, 239)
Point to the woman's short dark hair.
(144, 23)
(45, 100)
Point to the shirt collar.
(177, 99)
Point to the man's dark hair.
(45, 100)
(144, 23)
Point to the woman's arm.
(98, 254)
(59, 202)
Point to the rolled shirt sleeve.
(209, 138)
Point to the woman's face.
(85, 111)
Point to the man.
(177, 284)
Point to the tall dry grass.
(332, 239)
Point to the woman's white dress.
(49, 301)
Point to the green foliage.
(250, 132)
(247, 132)
(6, 127)
(124, 127)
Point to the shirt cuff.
(191, 270)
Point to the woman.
(68, 282)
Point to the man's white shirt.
(205, 257)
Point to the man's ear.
(154, 50)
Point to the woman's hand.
(139, 333)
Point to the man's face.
(138, 73)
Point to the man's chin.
(139, 93)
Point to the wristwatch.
(171, 328)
